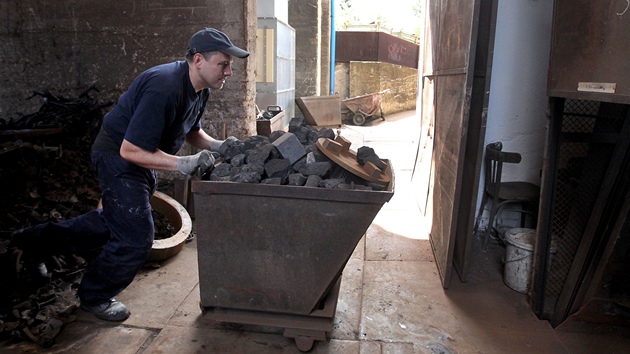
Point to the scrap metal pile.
(45, 175)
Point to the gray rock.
(276, 134)
(278, 168)
(238, 160)
(246, 174)
(275, 180)
(297, 179)
(289, 147)
(316, 168)
(259, 154)
(331, 183)
(221, 170)
(313, 181)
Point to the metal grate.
(584, 155)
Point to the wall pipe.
(333, 44)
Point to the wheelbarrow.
(362, 109)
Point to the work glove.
(202, 161)
(226, 144)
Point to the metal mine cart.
(272, 255)
(320, 110)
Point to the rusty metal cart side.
(320, 110)
(273, 255)
(360, 109)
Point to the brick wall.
(66, 46)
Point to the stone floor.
(391, 298)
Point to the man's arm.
(155, 160)
(159, 160)
(201, 140)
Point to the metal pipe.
(333, 43)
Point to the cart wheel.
(304, 344)
(358, 119)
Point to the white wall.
(518, 100)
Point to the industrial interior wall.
(371, 77)
(304, 17)
(65, 47)
(325, 45)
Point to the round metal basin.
(177, 216)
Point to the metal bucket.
(519, 253)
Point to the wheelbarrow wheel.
(358, 118)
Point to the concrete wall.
(66, 46)
(325, 44)
(311, 21)
(342, 79)
(360, 77)
(304, 18)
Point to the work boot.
(111, 310)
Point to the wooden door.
(448, 74)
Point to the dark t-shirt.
(156, 112)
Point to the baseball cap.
(210, 40)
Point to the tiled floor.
(391, 298)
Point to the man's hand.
(201, 161)
(226, 144)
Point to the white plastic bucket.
(519, 254)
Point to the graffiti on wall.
(396, 52)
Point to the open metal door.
(450, 36)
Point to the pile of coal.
(285, 158)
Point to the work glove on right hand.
(226, 144)
(202, 161)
